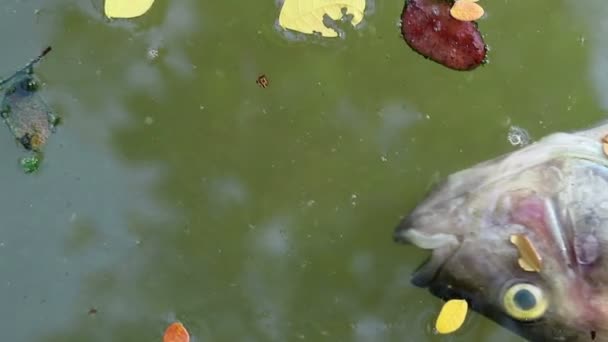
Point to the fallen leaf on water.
(429, 29)
(126, 8)
(525, 266)
(176, 332)
(529, 259)
(262, 81)
(306, 16)
(605, 145)
(452, 315)
(466, 10)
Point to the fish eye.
(524, 302)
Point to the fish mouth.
(443, 246)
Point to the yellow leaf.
(466, 10)
(529, 259)
(451, 316)
(306, 16)
(525, 266)
(126, 8)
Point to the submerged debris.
(31, 163)
(429, 29)
(25, 113)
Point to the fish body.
(554, 194)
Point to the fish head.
(554, 194)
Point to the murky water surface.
(177, 188)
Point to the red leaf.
(429, 29)
(176, 332)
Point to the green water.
(179, 189)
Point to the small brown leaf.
(466, 10)
(262, 81)
(529, 260)
(605, 145)
(176, 332)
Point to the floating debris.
(307, 16)
(605, 144)
(126, 8)
(262, 81)
(452, 316)
(429, 29)
(176, 332)
(529, 260)
(466, 10)
(25, 113)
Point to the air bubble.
(518, 136)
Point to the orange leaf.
(464, 10)
(176, 332)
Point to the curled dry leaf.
(262, 81)
(529, 259)
(605, 145)
(466, 10)
(176, 332)
(452, 316)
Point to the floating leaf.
(529, 259)
(525, 266)
(428, 28)
(452, 315)
(466, 10)
(176, 332)
(126, 8)
(306, 16)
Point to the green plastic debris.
(31, 163)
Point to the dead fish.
(555, 192)
(26, 114)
